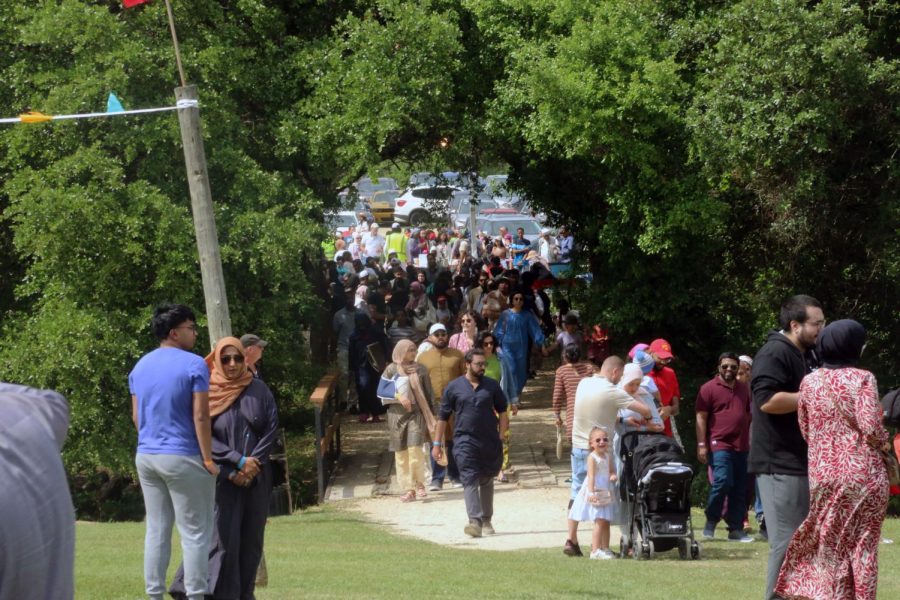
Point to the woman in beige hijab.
(244, 427)
(410, 419)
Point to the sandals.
(421, 493)
(409, 496)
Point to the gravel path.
(529, 512)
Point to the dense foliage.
(713, 157)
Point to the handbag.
(599, 497)
(889, 458)
(375, 356)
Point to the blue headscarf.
(841, 343)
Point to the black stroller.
(655, 490)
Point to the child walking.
(594, 501)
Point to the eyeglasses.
(193, 327)
(467, 320)
(728, 367)
(233, 358)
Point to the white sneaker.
(608, 553)
(600, 554)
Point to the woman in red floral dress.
(834, 553)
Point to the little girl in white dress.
(595, 501)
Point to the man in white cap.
(444, 365)
(375, 244)
(396, 242)
(547, 248)
(253, 351)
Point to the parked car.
(491, 224)
(451, 178)
(367, 186)
(341, 221)
(382, 205)
(461, 206)
(427, 204)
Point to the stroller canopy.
(654, 450)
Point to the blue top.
(164, 382)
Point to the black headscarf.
(841, 343)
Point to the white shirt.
(374, 246)
(597, 404)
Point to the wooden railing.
(328, 430)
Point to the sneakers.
(602, 554)
(456, 484)
(487, 528)
(572, 549)
(736, 536)
(709, 530)
(473, 529)
(436, 485)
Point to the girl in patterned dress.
(833, 555)
(594, 501)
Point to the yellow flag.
(35, 117)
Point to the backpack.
(890, 405)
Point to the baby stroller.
(655, 489)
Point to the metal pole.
(204, 219)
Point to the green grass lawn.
(330, 553)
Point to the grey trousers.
(480, 499)
(785, 500)
(177, 490)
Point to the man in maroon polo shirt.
(666, 381)
(723, 439)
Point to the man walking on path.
(170, 409)
(568, 376)
(667, 383)
(476, 401)
(777, 449)
(343, 323)
(444, 365)
(597, 404)
(723, 440)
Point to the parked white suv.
(425, 204)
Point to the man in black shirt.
(777, 448)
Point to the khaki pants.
(410, 465)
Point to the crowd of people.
(794, 433)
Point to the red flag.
(131, 3)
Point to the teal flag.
(113, 104)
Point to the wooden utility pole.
(204, 219)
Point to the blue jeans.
(438, 472)
(579, 470)
(729, 481)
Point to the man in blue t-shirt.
(170, 409)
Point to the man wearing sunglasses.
(723, 441)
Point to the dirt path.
(529, 512)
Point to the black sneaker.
(572, 549)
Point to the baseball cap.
(644, 361)
(436, 327)
(395, 225)
(251, 339)
(661, 348)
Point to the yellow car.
(382, 206)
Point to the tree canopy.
(713, 157)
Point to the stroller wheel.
(652, 552)
(695, 550)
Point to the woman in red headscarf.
(244, 427)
